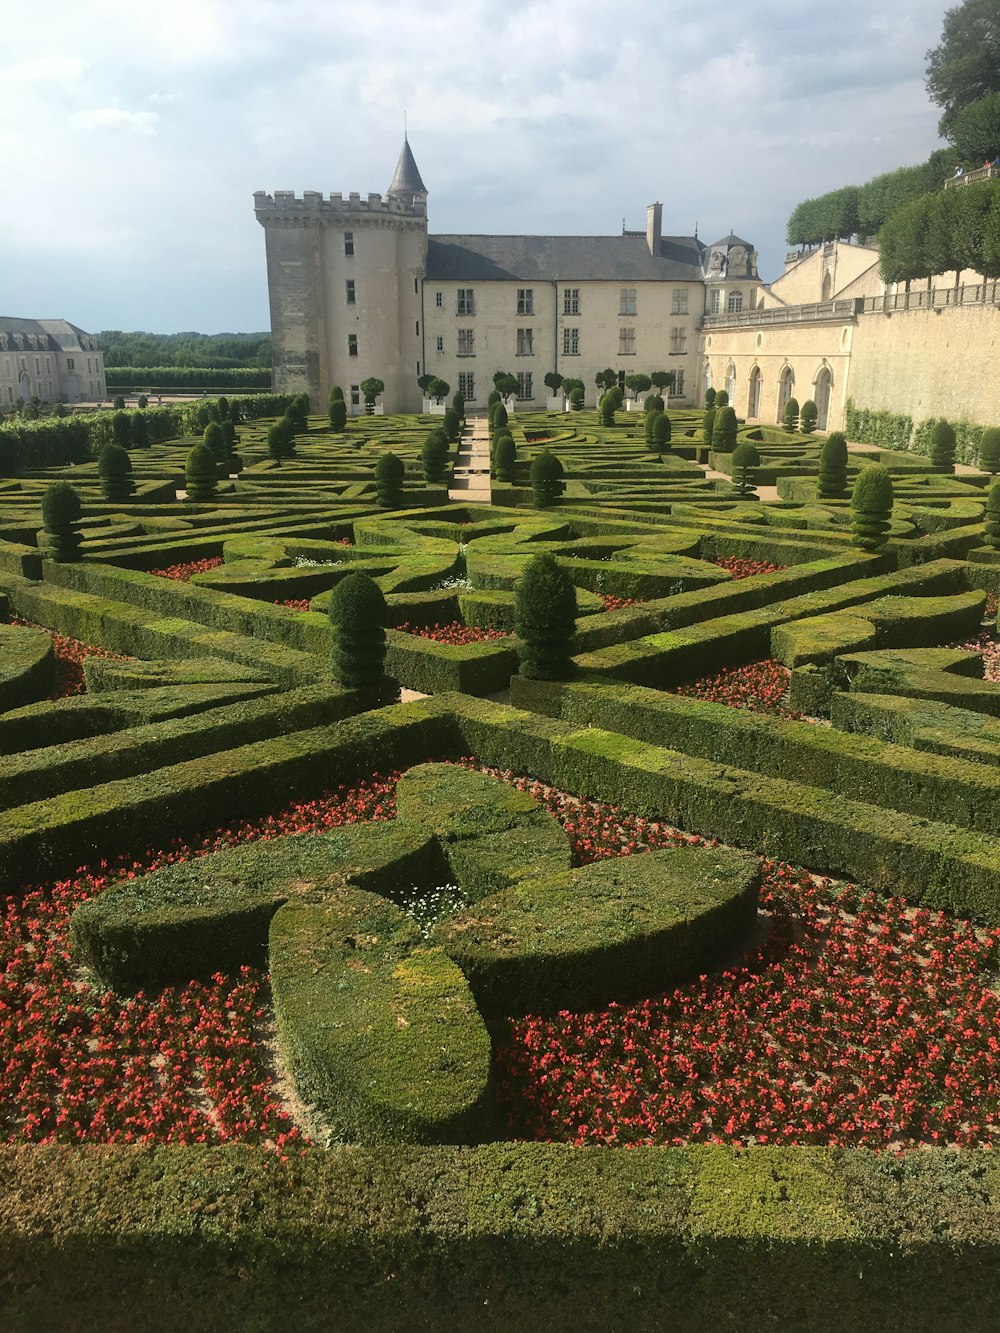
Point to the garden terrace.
(295, 975)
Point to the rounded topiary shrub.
(661, 433)
(358, 617)
(833, 466)
(499, 416)
(545, 619)
(215, 439)
(790, 417)
(505, 456)
(871, 508)
(746, 460)
(61, 511)
(808, 417)
(119, 402)
(989, 450)
(201, 473)
(389, 472)
(577, 399)
(724, 429)
(606, 409)
(648, 425)
(139, 430)
(338, 414)
(654, 403)
(458, 403)
(722, 399)
(708, 424)
(434, 457)
(114, 467)
(121, 429)
(276, 445)
(546, 479)
(710, 396)
(993, 517)
(943, 444)
(452, 424)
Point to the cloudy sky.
(134, 133)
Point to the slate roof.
(563, 258)
(728, 242)
(407, 178)
(54, 334)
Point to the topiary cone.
(545, 619)
(546, 479)
(833, 466)
(114, 467)
(871, 508)
(201, 473)
(61, 511)
(989, 450)
(943, 445)
(358, 617)
(389, 473)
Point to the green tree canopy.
(965, 65)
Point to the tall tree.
(966, 64)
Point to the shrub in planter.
(989, 450)
(114, 467)
(389, 473)
(790, 419)
(358, 617)
(746, 460)
(545, 619)
(201, 473)
(546, 479)
(505, 454)
(808, 417)
(993, 517)
(871, 508)
(833, 466)
(943, 445)
(61, 510)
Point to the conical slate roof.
(407, 178)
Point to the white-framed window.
(679, 301)
(466, 301)
(677, 388)
(439, 344)
(626, 301)
(351, 297)
(735, 303)
(439, 300)
(352, 344)
(525, 300)
(467, 342)
(348, 242)
(678, 340)
(713, 301)
(626, 342)
(571, 342)
(525, 391)
(525, 342)
(571, 300)
(467, 387)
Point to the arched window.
(735, 303)
(731, 382)
(828, 287)
(821, 397)
(786, 388)
(753, 398)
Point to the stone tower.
(344, 283)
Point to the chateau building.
(358, 289)
(49, 359)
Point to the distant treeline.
(154, 378)
(213, 351)
(862, 210)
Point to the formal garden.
(581, 907)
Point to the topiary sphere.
(545, 619)
(989, 450)
(214, 438)
(745, 459)
(60, 505)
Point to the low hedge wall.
(27, 665)
(132, 1240)
(432, 667)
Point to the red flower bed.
(853, 1020)
(70, 655)
(454, 633)
(184, 1066)
(759, 686)
(613, 603)
(295, 603)
(182, 573)
(745, 569)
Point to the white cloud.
(114, 118)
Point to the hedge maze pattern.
(210, 697)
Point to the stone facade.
(49, 359)
(358, 288)
(829, 329)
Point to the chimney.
(654, 224)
